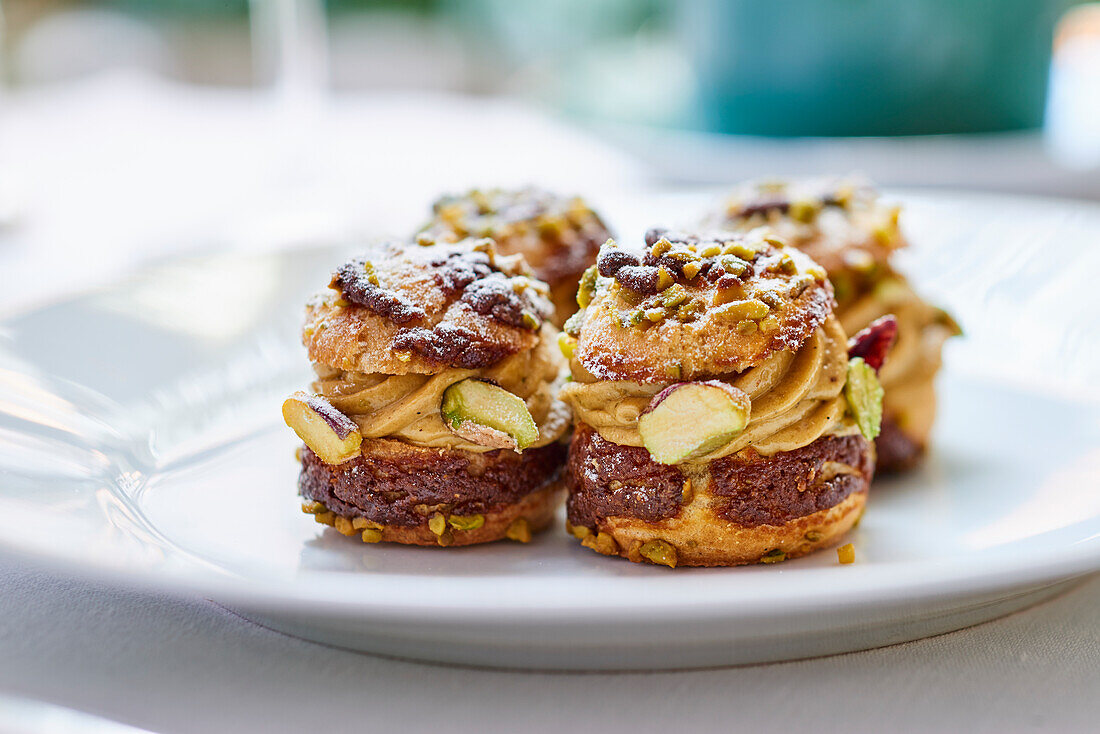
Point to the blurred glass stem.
(290, 48)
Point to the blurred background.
(132, 129)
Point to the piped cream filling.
(796, 396)
(406, 407)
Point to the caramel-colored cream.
(797, 397)
(406, 407)
(910, 367)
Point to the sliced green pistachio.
(864, 394)
(488, 415)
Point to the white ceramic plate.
(140, 441)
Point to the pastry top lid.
(842, 223)
(421, 308)
(689, 306)
(558, 235)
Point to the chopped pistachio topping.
(664, 278)
(813, 535)
(769, 323)
(659, 552)
(692, 269)
(467, 522)
(655, 314)
(776, 555)
(519, 530)
(741, 250)
(577, 531)
(673, 296)
(746, 327)
(660, 247)
(572, 325)
(587, 287)
(740, 310)
(437, 523)
(567, 344)
(601, 543)
(371, 535)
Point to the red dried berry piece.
(874, 342)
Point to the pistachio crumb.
(673, 296)
(776, 555)
(343, 526)
(313, 508)
(659, 552)
(577, 531)
(519, 530)
(664, 278)
(655, 314)
(437, 523)
(813, 535)
(325, 518)
(740, 310)
(660, 247)
(371, 535)
(746, 327)
(567, 344)
(692, 269)
(466, 522)
(846, 553)
(601, 543)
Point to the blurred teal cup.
(869, 67)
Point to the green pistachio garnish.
(655, 314)
(733, 264)
(741, 310)
(587, 287)
(660, 247)
(746, 327)
(774, 556)
(673, 296)
(573, 324)
(660, 552)
(692, 269)
(804, 211)
(864, 394)
(466, 522)
(664, 278)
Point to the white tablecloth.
(120, 171)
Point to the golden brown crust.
(739, 509)
(721, 313)
(403, 309)
(558, 236)
(732, 545)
